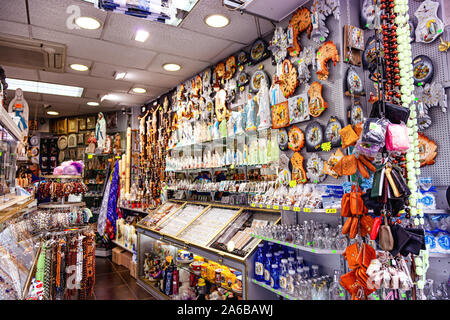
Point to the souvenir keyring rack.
(62, 203)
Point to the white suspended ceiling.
(112, 48)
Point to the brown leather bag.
(385, 236)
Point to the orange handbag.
(345, 206)
(347, 225)
(356, 202)
(366, 223)
(354, 228)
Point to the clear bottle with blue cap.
(275, 277)
(259, 263)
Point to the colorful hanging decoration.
(429, 26)
(288, 79)
(317, 104)
(300, 22)
(325, 53)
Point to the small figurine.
(19, 109)
(264, 106)
(100, 132)
(92, 143)
(117, 143)
(250, 115)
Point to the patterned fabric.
(111, 214)
(101, 222)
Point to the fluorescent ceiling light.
(93, 103)
(139, 90)
(79, 67)
(217, 21)
(171, 67)
(87, 23)
(45, 88)
(141, 35)
(53, 113)
(120, 75)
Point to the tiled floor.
(113, 282)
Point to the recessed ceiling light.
(87, 23)
(43, 87)
(79, 67)
(52, 113)
(141, 35)
(171, 67)
(120, 75)
(217, 21)
(93, 103)
(139, 90)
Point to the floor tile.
(103, 265)
(119, 268)
(121, 292)
(137, 289)
(108, 280)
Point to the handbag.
(407, 241)
(400, 182)
(345, 206)
(356, 202)
(397, 137)
(386, 239)
(366, 223)
(347, 225)
(375, 228)
(394, 113)
(354, 228)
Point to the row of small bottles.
(286, 271)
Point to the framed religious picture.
(80, 138)
(62, 126)
(72, 140)
(80, 153)
(81, 124)
(72, 125)
(111, 120)
(90, 122)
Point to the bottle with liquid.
(259, 263)
(277, 258)
(283, 278)
(291, 262)
(290, 287)
(305, 273)
(336, 292)
(275, 277)
(300, 261)
(267, 268)
(315, 271)
(284, 265)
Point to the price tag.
(268, 206)
(276, 207)
(341, 294)
(279, 242)
(90, 156)
(260, 205)
(306, 209)
(286, 208)
(296, 209)
(254, 281)
(330, 210)
(253, 205)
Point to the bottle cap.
(268, 255)
(284, 261)
(291, 271)
(274, 266)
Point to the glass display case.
(219, 234)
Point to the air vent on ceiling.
(32, 54)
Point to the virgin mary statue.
(100, 132)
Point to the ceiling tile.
(60, 15)
(93, 49)
(14, 28)
(242, 28)
(94, 94)
(163, 38)
(226, 52)
(188, 67)
(13, 10)
(20, 73)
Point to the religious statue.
(18, 108)
(100, 132)
(92, 143)
(264, 106)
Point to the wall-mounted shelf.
(13, 200)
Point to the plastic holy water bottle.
(336, 292)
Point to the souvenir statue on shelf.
(429, 26)
(370, 14)
(215, 130)
(223, 128)
(264, 105)
(117, 144)
(255, 82)
(423, 70)
(18, 109)
(278, 45)
(314, 169)
(300, 21)
(427, 150)
(220, 105)
(297, 170)
(259, 51)
(92, 143)
(320, 10)
(283, 139)
(230, 67)
(298, 108)
(313, 136)
(307, 57)
(332, 132)
(325, 53)
(296, 139)
(288, 79)
(239, 117)
(108, 145)
(355, 114)
(276, 95)
(280, 115)
(354, 82)
(100, 131)
(231, 126)
(317, 104)
(250, 113)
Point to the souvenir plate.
(355, 114)
(280, 115)
(332, 132)
(61, 156)
(255, 82)
(354, 82)
(62, 143)
(315, 169)
(258, 51)
(370, 54)
(283, 139)
(242, 57)
(313, 136)
(423, 70)
(34, 151)
(298, 108)
(297, 169)
(243, 79)
(34, 140)
(296, 139)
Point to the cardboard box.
(133, 269)
(116, 255)
(125, 259)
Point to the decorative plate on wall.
(355, 114)
(317, 104)
(423, 70)
(242, 57)
(72, 140)
(296, 139)
(297, 169)
(314, 169)
(332, 132)
(259, 51)
(283, 139)
(288, 78)
(243, 80)
(354, 82)
(280, 115)
(34, 140)
(313, 136)
(255, 82)
(298, 108)
(62, 143)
